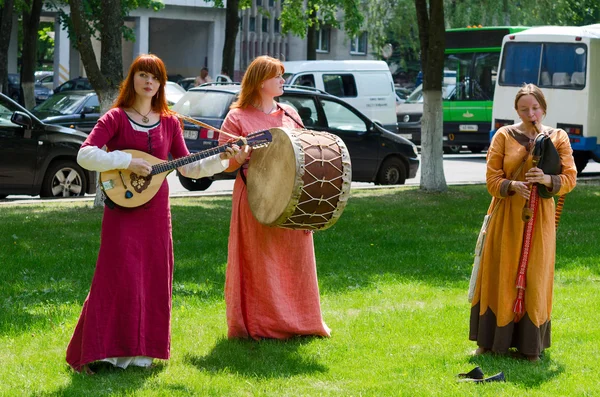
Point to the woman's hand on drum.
(520, 188)
(229, 152)
(243, 154)
(140, 167)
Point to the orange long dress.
(492, 322)
(271, 288)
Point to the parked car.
(46, 79)
(377, 154)
(14, 89)
(80, 83)
(410, 112)
(74, 109)
(188, 82)
(173, 92)
(38, 158)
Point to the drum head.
(271, 178)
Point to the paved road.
(459, 169)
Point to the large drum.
(300, 181)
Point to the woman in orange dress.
(271, 288)
(494, 324)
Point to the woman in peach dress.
(271, 287)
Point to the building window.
(265, 25)
(271, 3)
(252, 24)
(323, 39)
(276, 26)
(259, 2)
(358, 44)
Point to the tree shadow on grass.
(518, 370)
(108, 380)
(259, 359)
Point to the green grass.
(393, 274)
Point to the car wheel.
(64, 178)
(453, 149)
(475, 149)
(581, 160)
(194, 185)
(392, 172)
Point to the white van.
(366, 85)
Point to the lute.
(127, 189)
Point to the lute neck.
(171, 165)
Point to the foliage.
(93, 11)
(297, 16)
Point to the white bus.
(564, 61)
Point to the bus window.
(475, 74)
(556, 65)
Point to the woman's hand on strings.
(140, 167)
(520, 188)
(230, 152)
(243, 154)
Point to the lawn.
(393, 274)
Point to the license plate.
(468, 127)
(407, 136)
(190, 134)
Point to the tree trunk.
(311, 43)
(232, 24)
(31, 23)
(111, 53)
(6, 19)
(430, 18)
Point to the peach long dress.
(271, 288)
(492, 322)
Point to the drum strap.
(290, 116)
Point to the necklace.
(145, 118)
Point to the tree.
(301, 19)
(105, 18)
(31, 22)
(430, 19)
(232, 27)
(6, 18)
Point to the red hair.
(262, 68)
(148, 63)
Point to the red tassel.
(518, 306)
(521, 283)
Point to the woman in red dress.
(271, 287)
(126, 316)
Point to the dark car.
(74, 109)
(78, 84)
(377, 155)
(37, 158)
(14, 89)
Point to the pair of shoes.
(499, 377)
(475, 373)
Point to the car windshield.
(204, 103)
(171, 89)
(60, 104)
(417, 95)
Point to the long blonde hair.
(262, 68)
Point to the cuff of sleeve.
(504, 188)
(556, 184)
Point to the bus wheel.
(476, 149)
(581, 160)
(453, 149)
